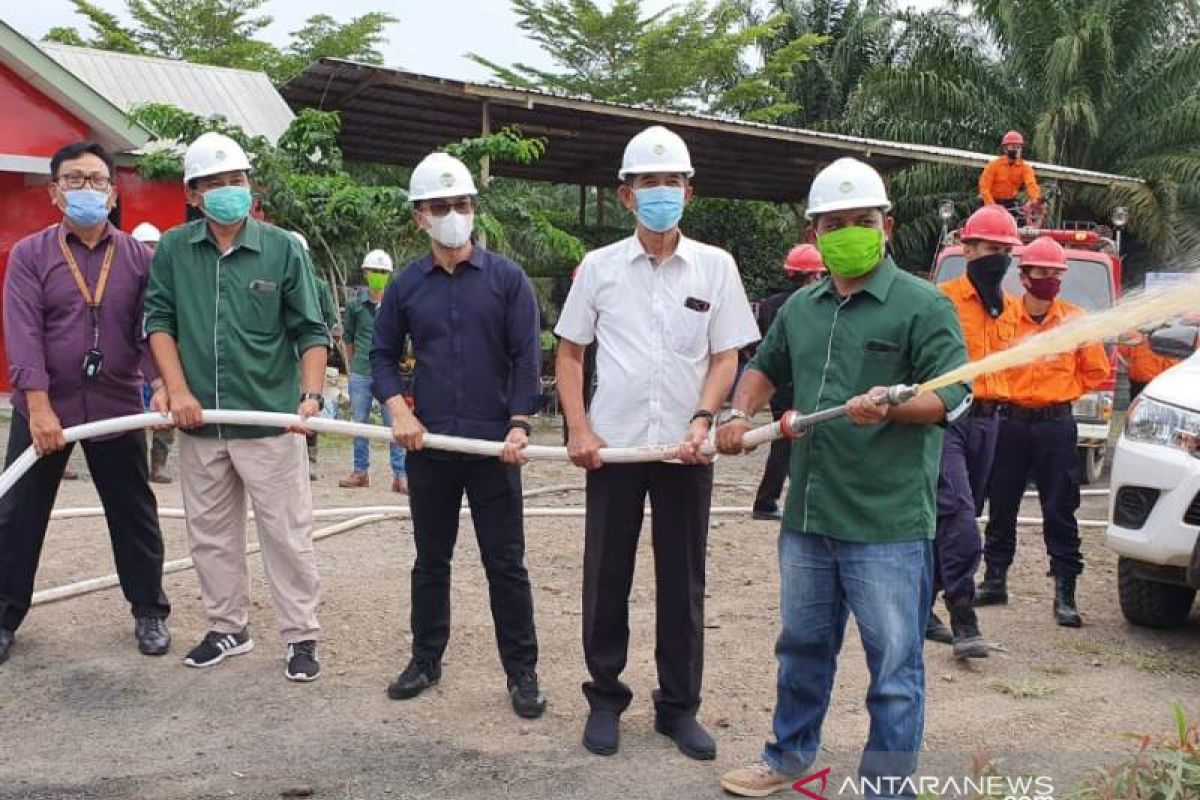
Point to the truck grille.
(1192, 515)
(1133, 505)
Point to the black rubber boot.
(936, 630)
(993, 589)
(1065, 612)
(968, 641)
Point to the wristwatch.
(522, 424)
(704, 414)
(735, 413)
(317, 396)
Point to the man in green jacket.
(234, 323)
(860, 514)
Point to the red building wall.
(33, 125)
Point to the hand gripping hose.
(791, 424)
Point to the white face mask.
(452, 230)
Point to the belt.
(1037, 413)
(986, 408)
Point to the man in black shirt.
(802, 267)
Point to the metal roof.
(108, 124)
(245, 98)
(393, 116)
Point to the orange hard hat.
(992, 223)
(803, 259)
(1013, 137)
(1044, 252)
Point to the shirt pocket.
(883, 364)
(261, 306)
(688, 333)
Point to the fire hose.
(791, 425)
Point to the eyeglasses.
(77, 180)
(440, 208)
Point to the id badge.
(93, 364)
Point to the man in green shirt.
(234, 323)
(360, 332)
(860, 514)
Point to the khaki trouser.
(216, 475)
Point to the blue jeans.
(888, 587)
(360, 408)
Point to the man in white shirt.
(668, 315)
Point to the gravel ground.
(85, 716)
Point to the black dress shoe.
(153, 638)
(6, 640)
(772, 514)
(936, 630)
(602, 733)
(416, 678)
(689, 736)
(527, 699)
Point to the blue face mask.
(659, 208)
(227, 204)
(87, 208)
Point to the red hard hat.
(992, 223)
(1013, 137)
(1044, 252)
(803, 259)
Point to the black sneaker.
(416, 678)
(527, 699)
(153, 638)
(215, 647)
(770, 513)
(302, 664)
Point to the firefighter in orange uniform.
(988, 316)
(1038, 435)
(1142, 363)
(1003, 178)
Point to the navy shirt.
(475, 339)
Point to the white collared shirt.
(656, 327)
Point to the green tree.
(1109, 85)
(225, 33)
(688, 57)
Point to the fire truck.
(1093, 282)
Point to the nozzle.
(900, 393)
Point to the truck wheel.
(1151, 604)
(1091, 463)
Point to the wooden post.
(485, 163)
(599, 206)
(582, 206)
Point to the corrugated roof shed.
(245, 98)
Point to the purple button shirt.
(48, 328)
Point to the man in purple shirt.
(77, 353)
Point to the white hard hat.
(377, 259)
(440, 175)
(145, 232)
(845, 184)
(656, 150)
(301, 239)
(212, 154)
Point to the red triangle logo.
(800, 785)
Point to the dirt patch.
(85, 716)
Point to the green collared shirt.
(864, 483)
(360, 332)
(329, 309)
(241, 319)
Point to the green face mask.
(377, 281)
(851, 252)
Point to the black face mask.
(1012, 155)
(986, 274)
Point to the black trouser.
(436, 485)
(776, 471)
(119, 470)
(1049, 448)
(680, 496)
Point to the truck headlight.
(1093, 406)
(1158, 423)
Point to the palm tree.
(1110, 85)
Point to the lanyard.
(92, 302)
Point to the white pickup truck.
(1154, 510)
